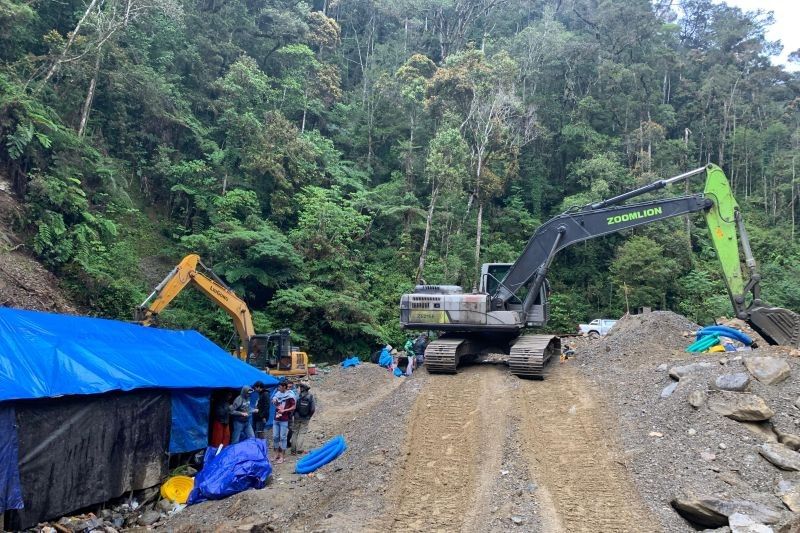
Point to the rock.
(518, 520)
(797, 402)
(768, 370)
(662, 367)
(762, 429)
(723, 446)
(678, 372)
(738, 382)
(714, 512)
(669, 389)
(148, 518)
(692, 432)
(697, 398)
(789, 440)
(791, 499)
(165, 506)
(110, 529)
(707, 456)
(781, 456)
(742, 523)
(740, 406)
(655, 434)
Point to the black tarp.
(79, 451)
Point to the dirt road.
(479, 439)
(478, 451)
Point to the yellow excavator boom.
(186, 273)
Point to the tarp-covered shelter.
(91, 408)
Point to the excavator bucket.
(777, 325)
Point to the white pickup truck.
(597, 327)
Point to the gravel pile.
(673, 449)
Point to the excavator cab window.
(492, 274)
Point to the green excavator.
(513, 296)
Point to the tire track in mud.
(435, 487)
(571, 452)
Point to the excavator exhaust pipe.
(777, 325)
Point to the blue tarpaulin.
(10, 492)
(236, 468)
(49, 355)
(190, 410)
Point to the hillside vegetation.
(325, 156)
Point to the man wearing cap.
(240, 414)
(306, 405)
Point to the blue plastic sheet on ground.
(190, 412)
(385, 359)
(10, 491)
(351, 361)
(48, 355)
(236, 468)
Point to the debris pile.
(711, 439)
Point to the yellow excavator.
(272, 352)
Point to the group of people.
(403, 363)
(246, 417)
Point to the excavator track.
(443, 355)
(531, 353)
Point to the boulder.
(714, 512)
(738, 382)
(781, 456)
(740, 406)
(678, 372)
(768, 370)
(669, 389)
(697, 398)
(742, 523)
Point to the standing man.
(302, 414)
(284, 406)
(262, 405)
(240, 414)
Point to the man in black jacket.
(304, 410)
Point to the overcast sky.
(785, 29)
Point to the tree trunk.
(57, 63)
(478, 239)
(424, 253)
(87, 103)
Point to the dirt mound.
(24, 283)
(665, 328)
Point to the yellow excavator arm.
(186, 273)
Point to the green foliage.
(302, 153)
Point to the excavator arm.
(776, 325)
(187, 273)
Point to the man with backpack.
(304, 410)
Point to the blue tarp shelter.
(118, 372)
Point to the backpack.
(304, 406)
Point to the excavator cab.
(274, 353)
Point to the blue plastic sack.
(385, 359)
(397, 372)
(351, 361)
(236, 468)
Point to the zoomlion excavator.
(513, 296)
(271, 351)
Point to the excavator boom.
(505, 304)
(186, 273)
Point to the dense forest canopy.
(325, 156)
